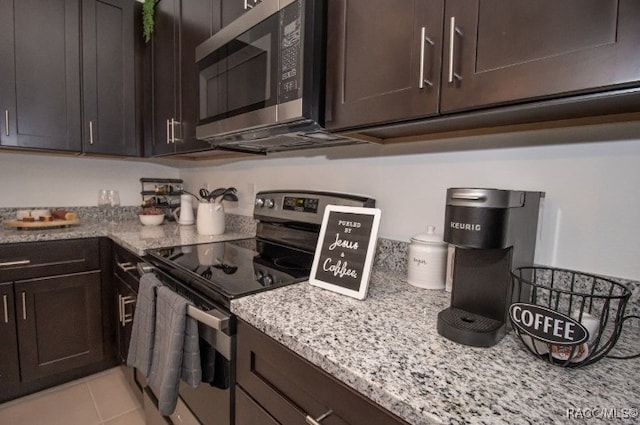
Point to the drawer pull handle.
(15, 263)
(6, 308)
(24, 306)
(319, 419)
(126, 267)
(127, 318)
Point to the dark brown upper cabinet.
(108, 64)
(499, 51)
(475, 56)
(67, 76)
(40, 67)
(383, 61)
(230, 10)
(179, 27)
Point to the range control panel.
(302, 206)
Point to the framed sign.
(345, 250)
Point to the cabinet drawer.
(125, 266)
(289, 388)
(38, 259)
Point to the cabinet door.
(9, 366)
(40, 68)
(380, 69)
(108, 63)
(59, 323)
(503, 51)
(197, 19)
(165, 74)
(230, 10)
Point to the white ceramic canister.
(427, 260)
(210, 219)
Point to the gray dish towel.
(176, 351)
(144, 323)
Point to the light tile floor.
(101, 399)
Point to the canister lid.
(429, 237)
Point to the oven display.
(308, 205)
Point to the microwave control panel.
(291, 21)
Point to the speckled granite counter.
(128, 233)
(387, 348)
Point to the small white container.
(427, 262)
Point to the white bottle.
(427, 261)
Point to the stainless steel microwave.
(262, 80)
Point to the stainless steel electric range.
(213, 274)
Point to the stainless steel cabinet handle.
(127, 318)
(24, 306)
(453, 31)
(91, 132)
(317, 420)
(14, 263)
(6, 122)
(120, 319)
(126, 267)
(168, 132)
(423, 41)
(173, 131)
(6, 308)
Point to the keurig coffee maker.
(494, 232)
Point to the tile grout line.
(95, 403)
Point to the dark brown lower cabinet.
(56, 309)
(9, 366)
(276, 386)
(59, 323)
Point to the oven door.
(211, 402)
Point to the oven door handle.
(214, 318)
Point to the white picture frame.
(345, 250)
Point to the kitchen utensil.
(215, 193)
(204, 194)
(185, 210)
(210, 219)
(426, 266)
(585, 308)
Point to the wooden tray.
(22, 225)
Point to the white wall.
(29, 180)
(591, 219)
(592, 208)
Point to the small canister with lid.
(427, 262)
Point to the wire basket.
(568, 318)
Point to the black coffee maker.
(494, 232)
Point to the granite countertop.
(130, 234)
(387, 348)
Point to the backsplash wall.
(590, 214)
(590, 219)
(30, 180)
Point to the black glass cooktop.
(235, 268)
